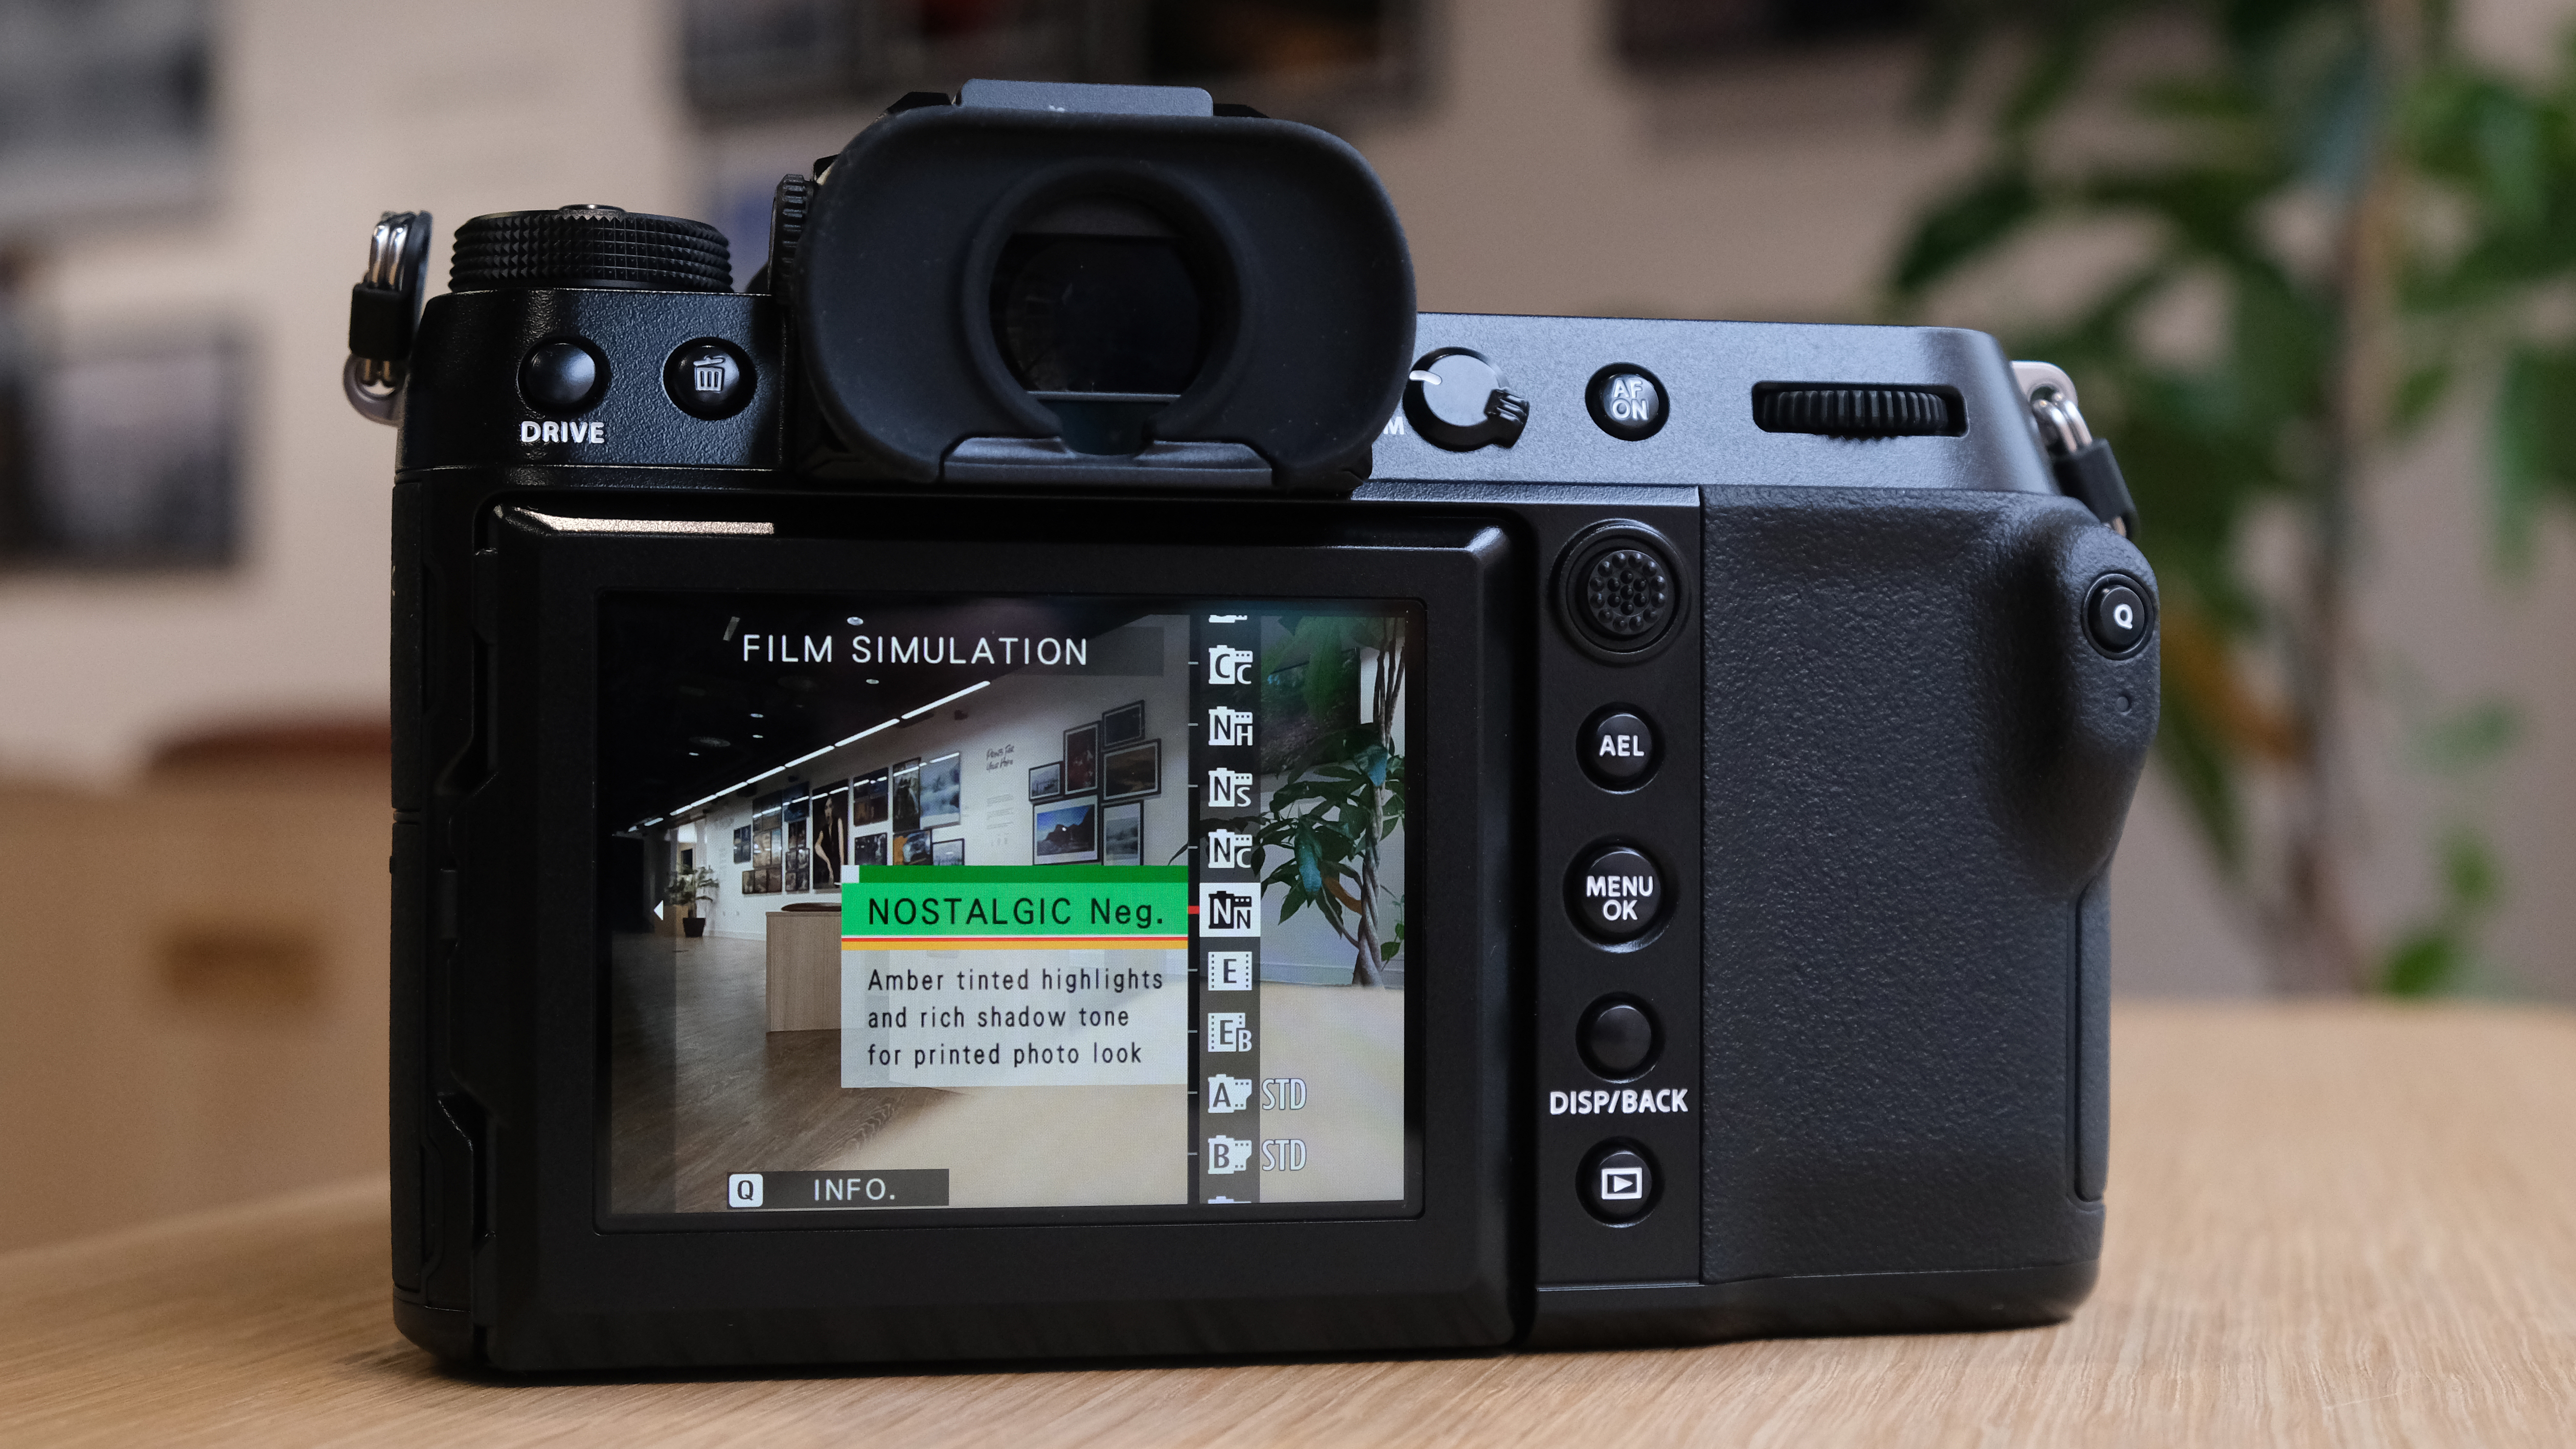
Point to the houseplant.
(2371, 226)
(687, 888)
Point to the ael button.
(1616, 893)
(1617, 1039)
(1618, 1182)
(708, 378)
(560, 379)
(1617, 749)
(2116, 616)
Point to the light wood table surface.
(2330, 1224)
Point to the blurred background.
(2313, 264)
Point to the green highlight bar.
(944, 906)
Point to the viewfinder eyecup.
(991, 293)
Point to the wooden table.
(2331, 1224)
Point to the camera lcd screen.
(1005, 904)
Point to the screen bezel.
(1407, 1205)
(529, 975)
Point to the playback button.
(1617, 1184)
(1616, 893)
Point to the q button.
(2117, 616)
(1616, 894)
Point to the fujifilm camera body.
(1063, 775)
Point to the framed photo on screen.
(1082, 759)
(868, 799)
(1066, 833)
(1122, 834)
(1124, 725)
(1046, 782)
(907, 797)
(943, 781)
(1132, 773)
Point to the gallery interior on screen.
(1028, 769)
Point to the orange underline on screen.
(1013, 943)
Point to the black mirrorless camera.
(1062, 775)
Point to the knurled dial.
(1627, 593)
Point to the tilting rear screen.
(1005, 904)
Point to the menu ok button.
(1616, 893)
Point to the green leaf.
(1310, 865)
(2420, 395)
(2471, 737)
(2469, 874)
(2421, 964)
(1966, 225)
(2534, 444)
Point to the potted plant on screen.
(687, 888)
(1344, 790)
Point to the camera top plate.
(1303, 280)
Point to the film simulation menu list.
(1225, 926)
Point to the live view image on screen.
(1004, 903)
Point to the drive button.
(1616, 893)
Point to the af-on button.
(1616, 893)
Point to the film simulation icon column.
(1225, 946)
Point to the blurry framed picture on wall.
(89, 479)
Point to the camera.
(1063, 775)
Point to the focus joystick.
(1456, 400)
